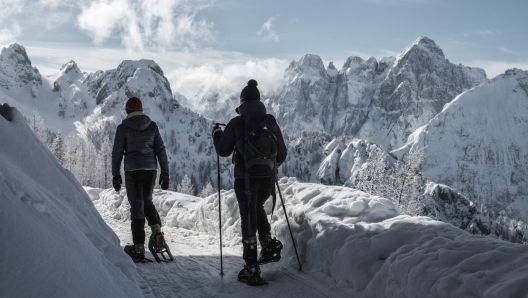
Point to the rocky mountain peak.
(16, 69)
(309, 65)
(331, 70)
(423, 47)
(70, 66)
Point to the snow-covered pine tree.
(207, 190)
(57, 147)
(375, 178)
(71, 146)
(104, 166)
(408, 184)
(186, 186)
(37, 125)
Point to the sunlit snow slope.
(54, 242)
(478, 144)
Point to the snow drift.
(54, 242)
(358, 242)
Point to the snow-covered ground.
(56, 244)
(350, 244)
(53, 241)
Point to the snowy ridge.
(477, 144)
(356, 242)
(51, 231)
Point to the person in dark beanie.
(138, 139)
(252, 190)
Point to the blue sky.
(225, 41)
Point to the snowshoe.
(136, 257)
(250, 275)
(158, 247)
(271, 252)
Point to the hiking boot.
(251, 275)
(157, 238)
(137, 253)
(270, 250)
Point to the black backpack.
(260, 145)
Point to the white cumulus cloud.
(266, 30)
(9, 35)
(147, 23)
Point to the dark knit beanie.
(250, 92)
(133, 105)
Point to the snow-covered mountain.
(54, 242)
(382, 101)
(478, 145)
(92, 105)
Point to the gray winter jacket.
(139, 140)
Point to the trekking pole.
(219, 208)
(287, 221)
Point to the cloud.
(10, 35)
(506, 50)
(42, 13)
(495, 68)
(148, 23)
(482, 33)
(267, 32)
(189, 72)
(227, 78)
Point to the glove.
(164, 181)
(215, 130)
(116, 182)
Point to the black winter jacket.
(231, 140)
(139, 140)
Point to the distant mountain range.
(474, 130)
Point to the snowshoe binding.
(270, 252)
(158, 247)
(137, 257)
(250, 275)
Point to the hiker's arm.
(224, 141)
(118, 151)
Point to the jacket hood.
(252, 106)
(139, 122)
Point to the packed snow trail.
(195, 272)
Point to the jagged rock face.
(445, 204)
(478, 143)
(214, 104)
(448, 205)
(382, 101)
(305, 101)
(420, 82)
(68, 84)
(16, 70)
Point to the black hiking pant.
(139, 187)
(253, 217)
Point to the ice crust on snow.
(54, 242)
(358, 242)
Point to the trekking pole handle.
(218, 125)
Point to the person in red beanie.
(138, 139)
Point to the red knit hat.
(134, 104)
